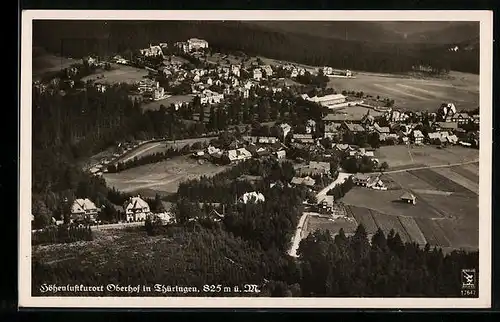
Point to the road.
(340, 179)
(119, 225)
(320, 196)
(298, 236)
(140, 151)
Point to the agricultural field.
(415, 94)
(470, 172)
(314, 223)
(155, 105)
(401, 156)
(446, 213)
(162, 177)
(118, 74)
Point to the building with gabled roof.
(408, 197)
(84, 210)
(136, 209)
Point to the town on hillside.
(203, 144)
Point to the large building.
(210, 97)
(84, 210)
(327, 100)
(136, 209)
(195, 44)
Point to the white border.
(486, 51)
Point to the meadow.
(415, 94)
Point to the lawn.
(415, 93)
(163, 177)
(44, 62)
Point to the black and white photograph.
(288, 159)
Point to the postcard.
(255, 159)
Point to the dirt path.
(298, 236)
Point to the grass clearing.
(162, 176)
(332, 225)
(118, 74)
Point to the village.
(339, 149)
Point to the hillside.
(311, 43)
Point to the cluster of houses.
(330, 71)
(404, 127)
(192, 44)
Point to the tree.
(41, 214)
(384, 166)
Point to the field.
(162, 177)
(446, 213)
(160, 147)
(314, 223)
(400, 156)
(155, 105)
(119, 74)
(413, 93)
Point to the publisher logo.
(468, 279)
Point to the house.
(342, 147)
(257, 74)
(164, 217)
(136, 209)
(307, 181)
(374, 182)
(452, 139)
(446, 111)
(281, 154)
(210, 97)
(267, 140)
(84, 210)
(326, 70)
(285, 129)
(331, 130)
(310, 126)
(360, 179)
(213, 150)
(235, 70)
(381, 129)
(408, 198)
(151, 51)
(252, 197)
(236, 155)
(352, 128)
(475, 118)
(361, 152)
(303, 138)
(389, 137)
(445, 126)
(257, 151)
(418, 137)
(196, 44)
(437, 137)
(268, 70)
(396, 116)
(461, 118)
(315, 168)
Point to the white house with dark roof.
(84, 209)
(252, 197)
(136, 209)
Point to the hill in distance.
(435, 32)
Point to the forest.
(78, 39)
(340, 266)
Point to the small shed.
(408, 198)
